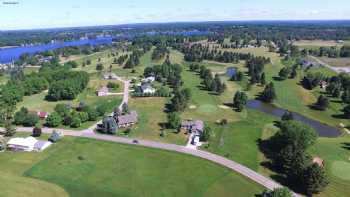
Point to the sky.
(34, 14)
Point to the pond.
(322, 129)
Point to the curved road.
(256, 177)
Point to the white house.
(148, 80)
(147, 88)
(27, 144)
(103, 91)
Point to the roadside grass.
(109, 169)
(151, 118)
(336, 153)
(238, 141)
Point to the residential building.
(127, 120)
(148, 79)
(42, 114)
(193, 126)
(147, 88)
(109, 126)
(103, 91)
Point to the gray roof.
(128, 118)
(39, 144)
(146, 86)
(193, 125)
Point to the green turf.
(238, 141)
(110, 169)
(341, 169)
(336, 154)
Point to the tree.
(206, 134)
(346, 96)
(315, 179)
(284, 73)
(263, 79)
(278, 192)
(322, 103)
(102, 109)
(112, 85)
(62, 109)
(76, 122)
(287, 116)
(346, 111)
(125, 108)
(92, 114)
(30, 120)
(174, 120)
(269, 94)
(53, 120)
(10, 130)
(20, 116)
(240, 100)
(99, 67)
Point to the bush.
(53, 120)
(30, 120)
(76, 122)
(112, 85)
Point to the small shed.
(103, 91)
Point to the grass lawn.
(336, 153)
(109, 169)
(312, 44)
(151, 116)
(238, 141)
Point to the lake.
(7, 55)
(322, 129)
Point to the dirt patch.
(193, 107)
(223, 107)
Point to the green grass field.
(336, 62)
(336, 153)
(109, 169)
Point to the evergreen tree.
(315, 179)
(322, 103)
(269, 94)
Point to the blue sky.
(31, 14)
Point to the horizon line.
(174, 22)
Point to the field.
(109, 169)
(336, 153)
(336, 62)
(318, 43)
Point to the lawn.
(336, 153)
(109, 169)
(311, 44)
(238, 141)
(151, 117)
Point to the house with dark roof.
(147, 88)
(127, 120)
(109, 125)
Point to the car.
(135, 141)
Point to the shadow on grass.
(346, 145)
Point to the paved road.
(258, 178)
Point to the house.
(42, 115)
(147, 88)
(148, 79)
(318, 161)
(231, 72)
(110, 76)
(127, 120)
(196, 127)
(109, 126)
(27, 144)
(323, 84)
(55, 136)
(103, 91)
